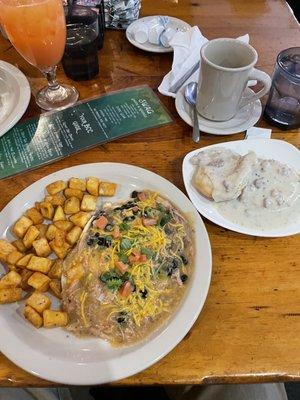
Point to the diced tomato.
(116, 232)
(134, 257)
(143, 258)
(142, 196)
(126, 289)
(149, 221)
(131, 259)
(101, 222)
(121, 267)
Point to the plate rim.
(206, 213)
(86, 379)
(152, 49)
(257, 109)
(23, 100)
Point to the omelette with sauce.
(129, 270)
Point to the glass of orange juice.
(37, 29)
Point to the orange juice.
(36, 28)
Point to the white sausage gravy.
(270, 197)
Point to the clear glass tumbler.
(283, 105)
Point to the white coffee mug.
(226, 67)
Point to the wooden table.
(249, 329)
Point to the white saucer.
(245, 118)
(14, 96)
(174, 23)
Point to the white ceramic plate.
(264, 148)
(174, 23)
(244, 119)
(57, 355)
(14, 96)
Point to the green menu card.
(55, 135)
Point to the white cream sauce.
(270, 200)
(255, 193)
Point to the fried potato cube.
(40, 264)
(92, 185)
(64, 225)
(30, 236)
(21, 226)
(73, 235)
(56, 187)
(10, 295)
(35, 216)
(19, 245)
(11, 279)
(22, 263)
(14, 257)
(107, 188)
(53, 318)
(55, 287)
(39, 281)
(42, 229)
(73, 193)
(59, 238)
(80, 219)
(72, 205)
(56, 270)
(56, 200)
(25, 275)
(38, 301)
(88, 203)
(76, 183)
(32, 316)
(47, 209)
(60, 251)
(5, 249)
(41, 247)
(51, 231)
(37, 205)
(59, 214)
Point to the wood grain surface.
(249, 329)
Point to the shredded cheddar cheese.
(134, 304)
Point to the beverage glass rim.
(229, 69)
(279, 63)
(82, 7)
(89, 12)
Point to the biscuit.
(203, 183)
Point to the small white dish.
(245, 118)
(264, 148)
(14, 96)
(59, 356)
(174, 23)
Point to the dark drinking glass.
(283, 105)
(80, 60)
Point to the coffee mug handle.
(262, 77)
